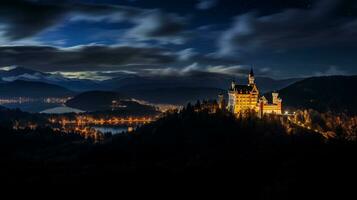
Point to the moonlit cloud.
(279, 38)
(156, 25)
(194, 68)
(7, 68)
(22, 19)
(206, 4)
(82, 58)
(93, 75)
(187, 54)
(332, 70)
(233, 70)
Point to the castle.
(246, 97)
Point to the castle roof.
(263, 98)
(244, 89)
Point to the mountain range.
(24, 74)
(193, 80)
(33, 89)
(174, 95)
(188, 88)
(331, 93)
(157, 89)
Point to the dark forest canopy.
(255, 153)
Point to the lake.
(61, 110)
(112, 129)
(33, 107)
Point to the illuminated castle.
(242, 98)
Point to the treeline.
(340, 126)
(9, 116)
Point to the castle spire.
(251, 77)
(233, 84)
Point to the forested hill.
(330, 93)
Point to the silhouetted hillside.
(194, 80)
(257, 155)
(331, 93)
(95, 100)
(104, 101)
(175, 95)
(32, 89)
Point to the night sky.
(279, 38)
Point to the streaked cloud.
(206, 4)
(332, 70)
(280, 32)
(156, 25)
(24, 19)
(83, 58)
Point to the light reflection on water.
(111, 129)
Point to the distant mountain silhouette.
(21, 88)
(175, 95)
(182, 89)
(330, 93)
(125, 81)
(195, 80)
(102, 101)
(24, 74)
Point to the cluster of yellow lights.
(80, 124)
(102, 121)
(306, 126)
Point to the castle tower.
(262, 101)
(275, 96)
(278, 102)
(221, 102)
(251, 77)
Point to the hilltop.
(20, 88)
(103, 101)
(329, 93)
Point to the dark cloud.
(206, 4)
(275, 35)
(318, 27)
(159, 26)
(83, 58)
(22, 19)
(140, 60)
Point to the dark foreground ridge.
(250, 154)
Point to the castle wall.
(245, 102)
(272, 109)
